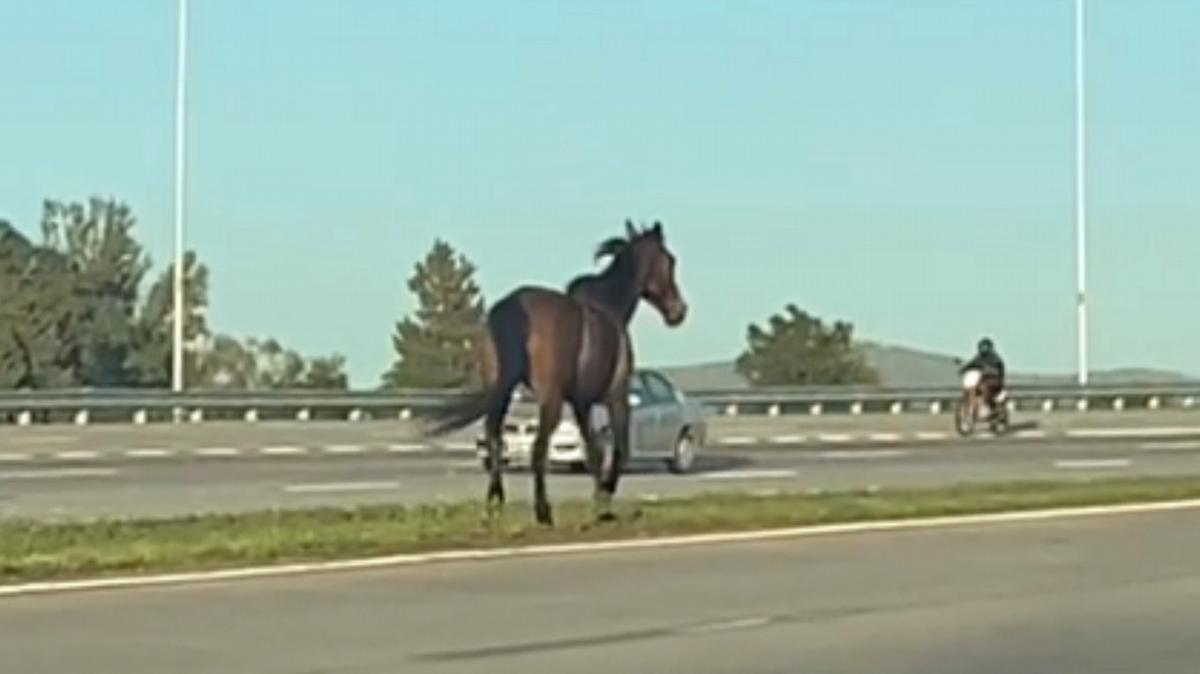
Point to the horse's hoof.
(543, 514)
(606, 516)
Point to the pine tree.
(437, 346)
(799, 349)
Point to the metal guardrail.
(146, 406)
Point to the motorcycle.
(973, 407)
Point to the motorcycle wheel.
(964, 416)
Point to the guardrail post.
(1189, 402)
(816, 409)
(251, 415)
(405, 414)
(856, 408)
(1082, 405)
(935, 407)
(303, 415)
(1118, 404)
(139, 417)
(1154, 402)
(1047, 405)
(731, 410)
(24, 418)
(81, 418)
(773, 410)
(1011, 405)
(897, 407)
(197, 416)
(356, 415)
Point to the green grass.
(38, 550)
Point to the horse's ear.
(630, 230)
(656, 231)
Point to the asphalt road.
(113, 484)
(1112, 594)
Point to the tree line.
(73, 314)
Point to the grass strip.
(41, 550)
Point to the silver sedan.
(664, 425)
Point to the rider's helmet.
(986, 346)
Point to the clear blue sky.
(904, 165)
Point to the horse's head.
(656, 272)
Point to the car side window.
(660, 390)
(637, 387)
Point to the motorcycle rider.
(991, 370)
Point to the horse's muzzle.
(676, 313)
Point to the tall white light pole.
(1080, 205)
(180, 118)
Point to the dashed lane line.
(148, 453)
(77, 455)
(334, 487)
(1091, 464)
(282, 450)
(860, 454)
(57, 474)
(217, 451)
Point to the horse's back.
(570, 346)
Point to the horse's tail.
(461, 415)
(503, 359)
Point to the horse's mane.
(617, 248)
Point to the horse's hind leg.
(549, 415)
(493, 433)
(593, 453)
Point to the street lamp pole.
(1080, 205)
(177, 382)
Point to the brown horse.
(572, 347)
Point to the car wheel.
(684, 455)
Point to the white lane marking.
(932, 435)
(835, 437)
(737, 440)
(217, 451)
(764, 474)
(1031, 434)
(406, 448)
(630, 544)
(13, 457)
(788, 440)
(77, 455)
(459, 446)
(863, 454)
(329, 487)
(1182, 445)
(1084, 464)
(147, 453)
(285, 450)
(729, 625)
(57, 474)
(885, 437)
(1145, 432)
(345, 449)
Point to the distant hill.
(904, 367)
